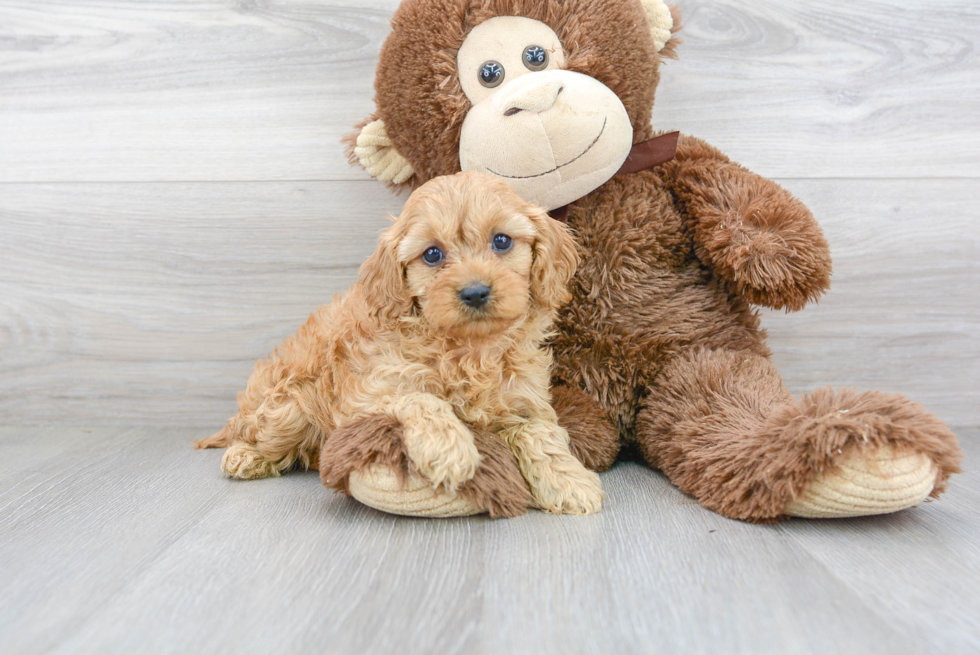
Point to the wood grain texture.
(128, 541)
(193, 90)
(122, 90)
(902, 314)
(879, 88)
(165, 286)
(149, 303)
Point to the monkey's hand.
(752, 232)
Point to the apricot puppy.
(443, 331)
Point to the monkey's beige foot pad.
(865, 483)
(380, 488)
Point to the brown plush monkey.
(660, 345)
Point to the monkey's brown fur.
(497, 487)
(660, 344)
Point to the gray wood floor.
(174, 200)
(120, 540)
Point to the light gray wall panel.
(174, 198)
(134, 91)
(150, 302)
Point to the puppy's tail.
(220, 439)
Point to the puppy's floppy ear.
(382, 277)
(555, 259)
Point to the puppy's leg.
(559, 482)
(274, 436)
(274, 429)
(245, 462)
(439, 445)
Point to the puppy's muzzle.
(475, 295)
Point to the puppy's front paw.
(568, 488)
(245, 462)
(442, 452)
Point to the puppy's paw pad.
(245, 462)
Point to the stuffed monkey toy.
(660, 346)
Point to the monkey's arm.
(752, 232)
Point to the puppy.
(442, 332)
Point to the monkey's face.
(554, 134)
(546, 94)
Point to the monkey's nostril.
(475, 295)
(512, 111)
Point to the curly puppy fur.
(403, 344)
(660, 345)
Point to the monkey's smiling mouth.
(574, 159)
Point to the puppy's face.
(475, 257)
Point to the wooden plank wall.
(174, 197)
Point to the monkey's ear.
(373, 149)
(664, 23)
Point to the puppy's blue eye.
(432, 256)
(502, 243)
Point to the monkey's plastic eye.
(491, 74)
(535, 57)
(502, 243)
(432, 256)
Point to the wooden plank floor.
(119, 540)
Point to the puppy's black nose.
(475, 295)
